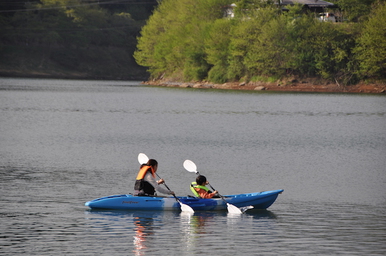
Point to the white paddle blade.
(142, 158)
(233, 209)
(245, 208)
(190, 166)
(186, 208)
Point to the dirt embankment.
(289, 86)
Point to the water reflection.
(143, 228)
(195, 226)
(139, 226)
(198, 222)
(195, 229)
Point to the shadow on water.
(117, 214)
(261, 214)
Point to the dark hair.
(201, 180)
(152, 162)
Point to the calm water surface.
(65, 142)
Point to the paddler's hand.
(161, 181)
(172, 193)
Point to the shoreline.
(304, 85)
(293, 86)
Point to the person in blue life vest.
(200, 190)
(146, 184)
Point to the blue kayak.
(259, 200)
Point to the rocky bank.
(288, 86)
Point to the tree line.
(193, 41)
(85, 38)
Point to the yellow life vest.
(194, 185)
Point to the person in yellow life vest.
(200, 190)
(146, 184)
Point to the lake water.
(65, 142)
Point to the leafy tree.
(335, 58)
(371, 49)
(291, 43)
(195, 42)
(244, 35)
(152, 41)
(68, 35)
(354, 10)
(172, 41)
(269, 53)
(217, 50)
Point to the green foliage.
(67, 30)
(371, 48)
(217, 50)
(247, 8)
(355, 10)
(269, 52)
(269, 79)
(196, 42)
(173, 39)
(192, 40)
(244, 42)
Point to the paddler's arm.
(149, 178)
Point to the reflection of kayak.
(259, 200)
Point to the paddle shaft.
(218, 193)
(178, 200)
